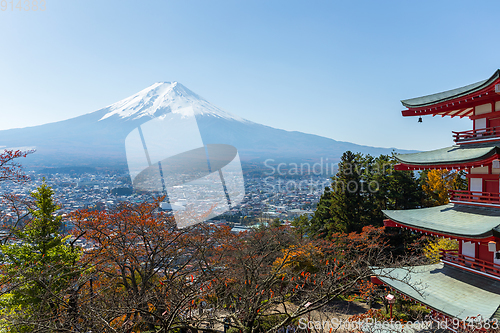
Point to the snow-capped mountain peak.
(161, 98)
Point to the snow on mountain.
(98, 138)
(161, 98)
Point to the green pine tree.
(396, 189)
(38, 268)
(340, 208)
(361, 189)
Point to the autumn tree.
(437, 183)
(9, 168)
(145, 272)
(433, 248)
(272, 275)
(14, 208)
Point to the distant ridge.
(97, 139)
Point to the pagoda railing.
(452, 256)
(477, 134)
(475, 196)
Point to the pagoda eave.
(452, 112)
(462, 165)
(456, 102)
(464, 222)
(448, 290)
(417, 167)
(395, 224)
(451, 158)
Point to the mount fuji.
(98, 138)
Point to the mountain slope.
(97, 138)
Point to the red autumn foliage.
(9, 169)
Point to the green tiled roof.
(449, 290)
(450, 94)
(454, 220)
(450, 155)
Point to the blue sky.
(333, 68)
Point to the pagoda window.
(476, 184)
(469, 249)
(480, 123)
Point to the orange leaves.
(366, 288)
(302, 257)
(437, 184)
(355, 248)
(138, 252)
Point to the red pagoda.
(466, 282)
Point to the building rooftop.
(460, 221)
(468, 155)
(450, 94)
(449, 290)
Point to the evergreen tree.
(361, 189)
(301, 225)
(322, 215)
(340, 208)
(37, 268)
(396, 189)
(347, 208)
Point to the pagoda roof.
(447, 289)
(458, 221)
(450, 94)
(471, 155)
(455, 102)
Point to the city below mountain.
(97, 139)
